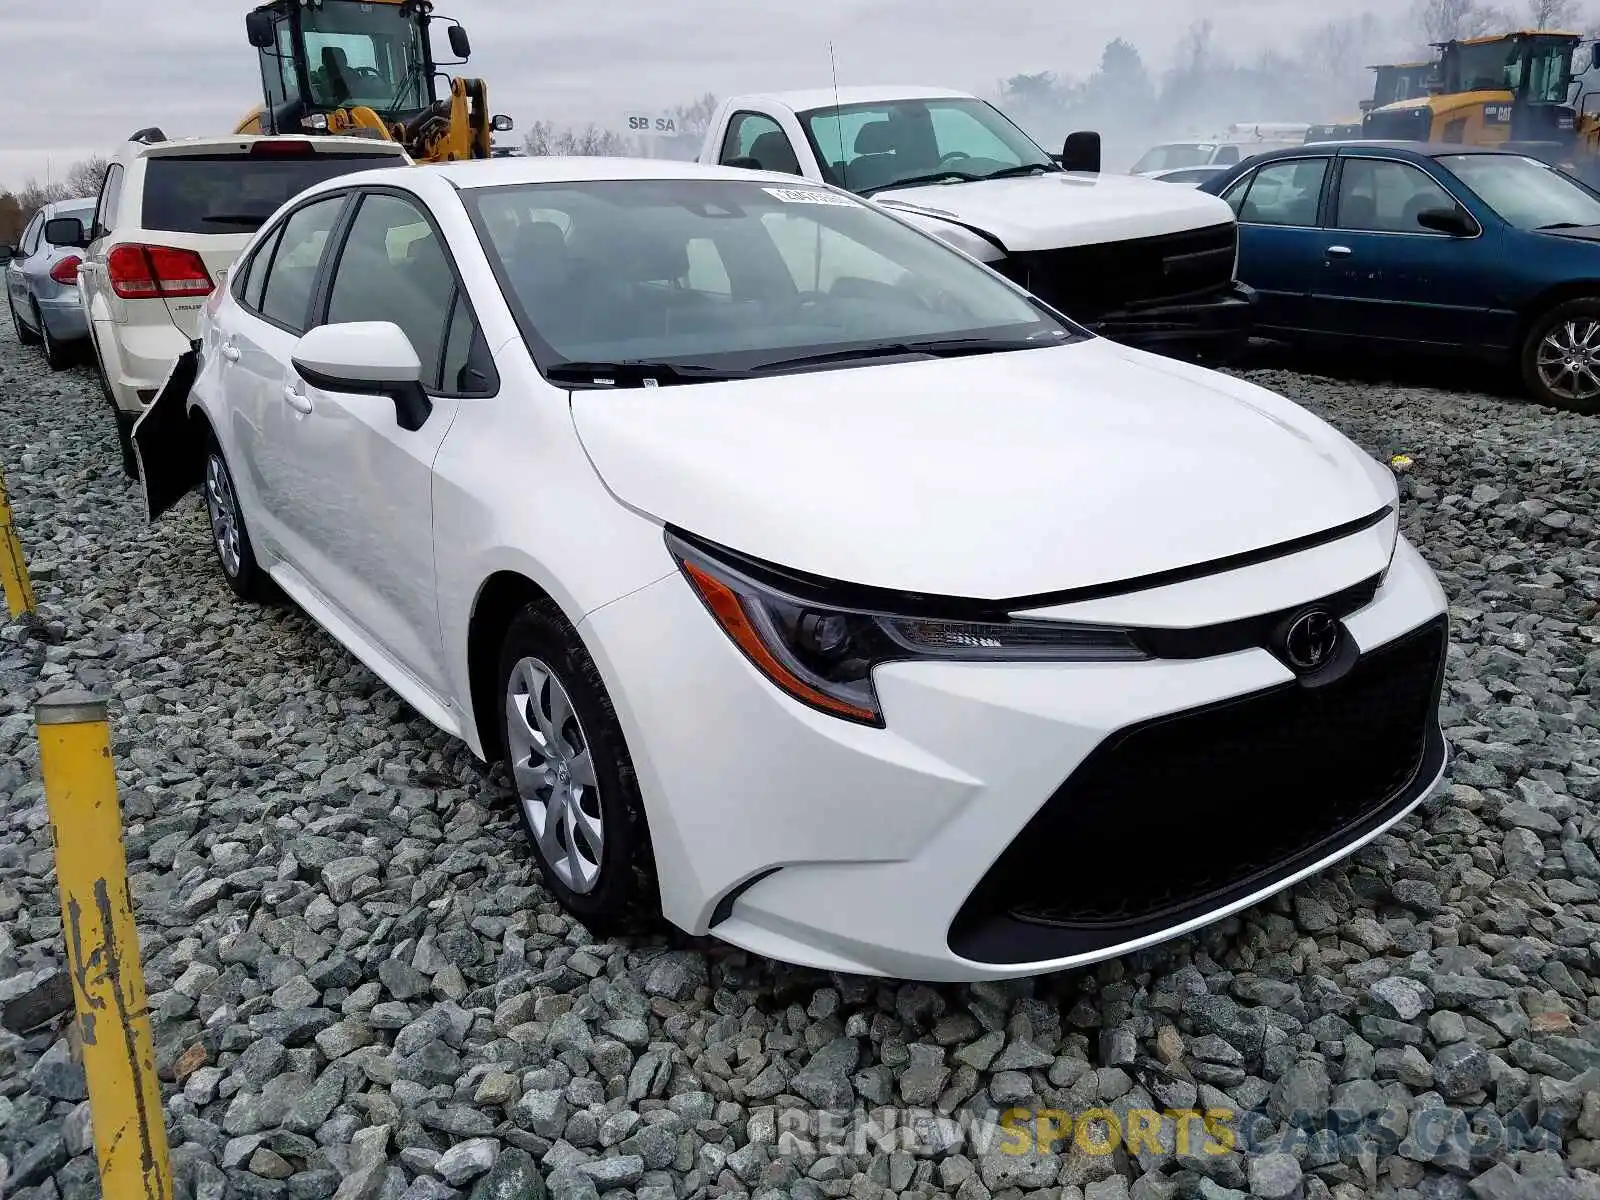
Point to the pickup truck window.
(711, 275)
(757, 138)
(898, 143)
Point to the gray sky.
(104, 68)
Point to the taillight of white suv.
(139, 272)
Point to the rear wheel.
(24, 335)
(1561, 356)
(57, 354)
(229, 537)
(576, 789)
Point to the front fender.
(169, 445)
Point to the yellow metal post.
(13, 568)
(80, 786)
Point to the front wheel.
(229, 536)
(1561, 356)
(576, 790)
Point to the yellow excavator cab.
(366, 67)
(1509, 89)
(1394, 82)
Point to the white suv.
(171, 218)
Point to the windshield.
(367, 54)
(868, 147)
(732, 274)
(1182, 154)
(1524, 191)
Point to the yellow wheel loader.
(1398, 81)
(366, 67)
(1514, 91)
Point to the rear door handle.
(297, 399)
(230, 352)
(1338, 251)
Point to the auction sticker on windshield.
(807, 196)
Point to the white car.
(171, 217)
(821, 588)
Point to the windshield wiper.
(1022, 169)
(915, 180)
(1560, 225)
(955, 347)
(637, 373)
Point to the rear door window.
(233, 193)
(292, 275)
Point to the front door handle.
(297, 399)
(1338, 251)
(229, 351)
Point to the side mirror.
(460, 43)
(7, 253)
(501, 123)
(366, 358)
(1457, 222)
(65, 231)
(1081, 152)
(262, 29)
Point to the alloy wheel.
(554, 773)
(1569, 359)
(223, 508)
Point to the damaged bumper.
(1217, 323)
(169, 444)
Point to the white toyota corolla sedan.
(821, 589)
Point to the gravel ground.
(359, 990)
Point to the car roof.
(323, 143)
(1368, 146)
(807, 99)
(499, 172)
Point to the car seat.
(1358, 211)
(774, 153)
(877, 157)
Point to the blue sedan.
(1440, 248)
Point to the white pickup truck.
(1136, 260)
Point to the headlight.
(823, 654)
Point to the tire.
(57, 354)
(1561, 356)
(230, 539)
(610, 888)
(24, 335)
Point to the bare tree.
(590, 142)
(1554, 14)
(1446, 20)
(85, 178)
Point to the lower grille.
(1087, 282)
(1188, 811)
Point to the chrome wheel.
(1568, 359)
(554, 773)
(224, 509)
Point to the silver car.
(42, 286)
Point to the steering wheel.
(368, 73)
(951, 155)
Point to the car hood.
(1044, 212)
(990, 477)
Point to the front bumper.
(874, 851)
(1216, 323)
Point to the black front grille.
(1180, 814)
(1087, 282)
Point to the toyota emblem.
(1311, 640)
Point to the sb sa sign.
(645, 124)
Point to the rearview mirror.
(1081, 152)
(460, 43)
(65, 231)
(366, 358)
(262, 29)
(1457, 222)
